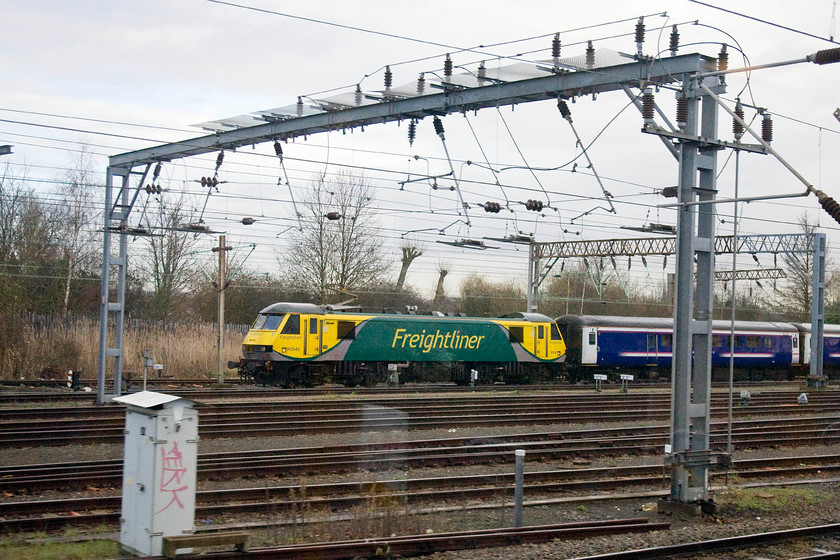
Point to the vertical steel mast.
(691, 373)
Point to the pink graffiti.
(172, 474)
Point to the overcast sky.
(121, 76)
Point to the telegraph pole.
(221, 285)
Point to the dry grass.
(46, 349)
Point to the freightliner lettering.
(428, 342)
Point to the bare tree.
(480, 298)
(167, 264)
(338, 249)
(75, 218)
(27, 247)
(799, 267)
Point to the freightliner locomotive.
(302, 345)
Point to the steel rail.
(82, 433)
(413, 545)
(251, 391)
(718, 545)
(419, 404)
(407, 491)
(477, 450)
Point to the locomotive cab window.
(258, 324)
(540, 332)
(516, 334)
(268, 322)
(555, 332)
(313, 326)
(292, 326)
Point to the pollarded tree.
(339, 247)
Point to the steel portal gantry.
(126, 172)
(591, 78)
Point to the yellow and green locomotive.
(302, 345)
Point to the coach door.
(652, 352)
(312, 337)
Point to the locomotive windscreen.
(266, 322)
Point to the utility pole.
(221, 285)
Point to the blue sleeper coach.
(644, 345)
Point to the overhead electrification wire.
(88, 119)
(524, 159)
(54, 127)
(486, 160)
(334, 24)
(764, 21)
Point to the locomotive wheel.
(298, 377)
(261, 377)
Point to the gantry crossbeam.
(644, 246)
(565, 84)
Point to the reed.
(45, 347)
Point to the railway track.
(413, 545)
(433, 452)
(328, 498)
(33, 391)
(762, 543)
(97, 425)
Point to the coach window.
(666, 340)
(768, 342)
(753, 341)
(592, 338)
(292, 325)
(346, 330)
